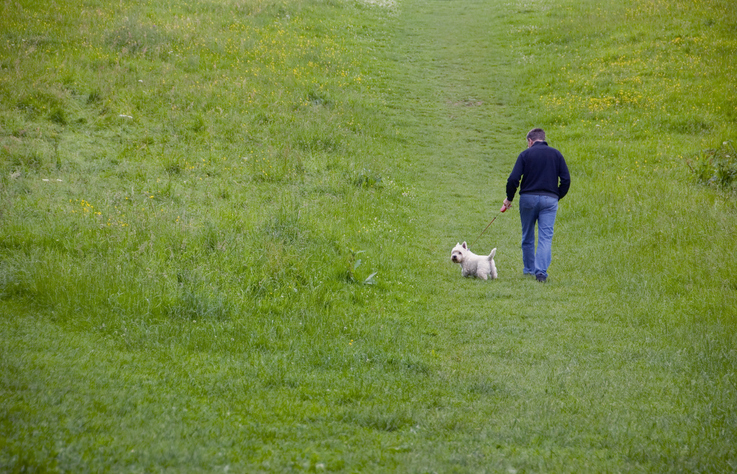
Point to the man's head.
(535, 135)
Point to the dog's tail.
(491, 255)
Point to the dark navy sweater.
(543, 171)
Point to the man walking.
(545, 181)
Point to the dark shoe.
(541, 278)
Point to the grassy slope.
(624, 361)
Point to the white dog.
(474, 265)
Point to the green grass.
(225, 231)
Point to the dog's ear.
(464, 245)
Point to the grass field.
(225, 231)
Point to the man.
(545, 181)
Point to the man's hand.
(506, 205)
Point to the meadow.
(225, 231)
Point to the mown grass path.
(560, 377)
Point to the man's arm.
(564, 179)
(513, 183)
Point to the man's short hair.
(536, 134)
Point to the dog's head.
(458, 252)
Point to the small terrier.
(474, 265)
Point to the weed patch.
(716, 167)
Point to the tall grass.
(225, 230)
(181, 144)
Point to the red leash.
(482, 232)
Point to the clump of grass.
(716, 167)
(137, 36)
(367, 179)
(199, 299)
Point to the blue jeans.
(535, 208)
